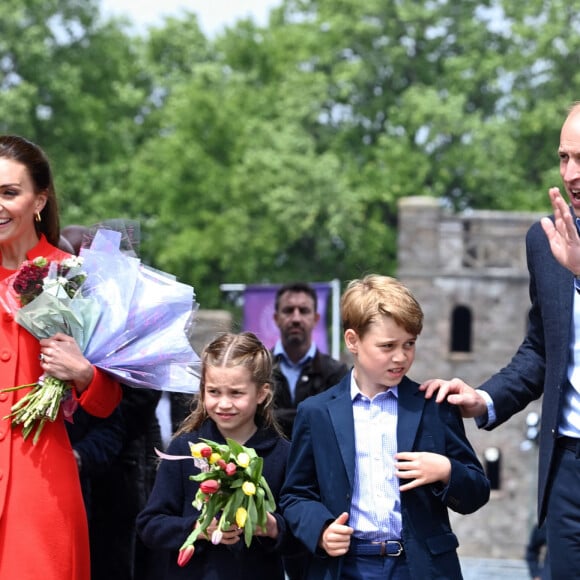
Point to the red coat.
(43, 527)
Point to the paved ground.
(482, 569)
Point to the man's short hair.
(296, 287)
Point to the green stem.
(38, 406)
(17, 388)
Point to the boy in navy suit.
(373, 465)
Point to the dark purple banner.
(259, 303)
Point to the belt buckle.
(399, 548)
(384, 551)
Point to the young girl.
(234, 402)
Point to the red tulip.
(205, 452)
(185, 555)
(209, 486)
(221, 464)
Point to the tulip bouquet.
(231, 486)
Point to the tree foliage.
(74, 85)
(275, 153)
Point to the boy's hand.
(422, 467)
(335, 539)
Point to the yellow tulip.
(214, 457)
(249, 488)
(243, 460)
(241, 516)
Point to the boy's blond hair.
(366, 300)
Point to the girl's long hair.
(232, 350)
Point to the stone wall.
(208, 324)
(475, 260)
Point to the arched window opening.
(461, 329)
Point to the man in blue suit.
(373, 465)
(547, 362)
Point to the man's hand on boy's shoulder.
(335, 539)
(421, 468)
(456, 392)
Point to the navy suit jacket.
(321, 468)
(540, 364)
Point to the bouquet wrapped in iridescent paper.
(142, 336)
(131, 321)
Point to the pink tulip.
(185, 555)
(209, 486)
(231, 468)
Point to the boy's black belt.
(390, 548)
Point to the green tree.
(74, 85)
(280, 152)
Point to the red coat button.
(5, 355)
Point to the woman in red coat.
(43, 528)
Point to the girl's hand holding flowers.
(233, 497)
(271, 530)
(228, 537)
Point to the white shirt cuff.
(484, 422)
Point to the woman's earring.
(37, 217)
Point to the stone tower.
(469, 273)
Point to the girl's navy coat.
(169, 516)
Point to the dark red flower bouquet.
(33, 278)
(45, 290)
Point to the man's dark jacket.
(319, 374)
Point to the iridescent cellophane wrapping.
(143, 334)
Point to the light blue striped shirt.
(375, 512)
